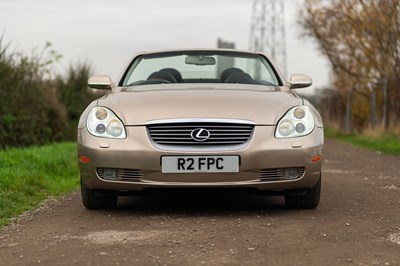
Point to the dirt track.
(357, 223)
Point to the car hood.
(139, 107)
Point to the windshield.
(200, 67)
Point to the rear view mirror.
(200, 60)
(298, 81)
(100, 82)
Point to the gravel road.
(356, 223)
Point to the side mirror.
(298, 81)
(100, 82)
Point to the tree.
(361, 41)
(30, 113)
(38, 107)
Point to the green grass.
(389, 144)
(30, 175)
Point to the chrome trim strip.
(200, 120)
(199, 148)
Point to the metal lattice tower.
(267, 31)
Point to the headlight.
(297, 122)
(102, 122)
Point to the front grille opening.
(275, 174)
(119, 174)
(212, 133)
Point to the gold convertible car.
(200, 119)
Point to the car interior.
(171, 75)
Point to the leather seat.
(227, 72)
(238, 77)
(177, 75)
(162, 76)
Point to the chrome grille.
(277, 173)
(220, 133)
(123, 174)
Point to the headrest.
(238, 77)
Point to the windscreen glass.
(200, 67)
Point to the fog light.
(110, 174)
(291, 173)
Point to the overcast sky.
(108, 33)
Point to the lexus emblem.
(200, 134)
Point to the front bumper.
(262, 152)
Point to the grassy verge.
(389, 144)
(30, 175)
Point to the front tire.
(309, 200)
(92, 199)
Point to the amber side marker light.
(84, 159)
(316, 158)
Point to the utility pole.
(267, 31)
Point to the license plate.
(200, 164)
